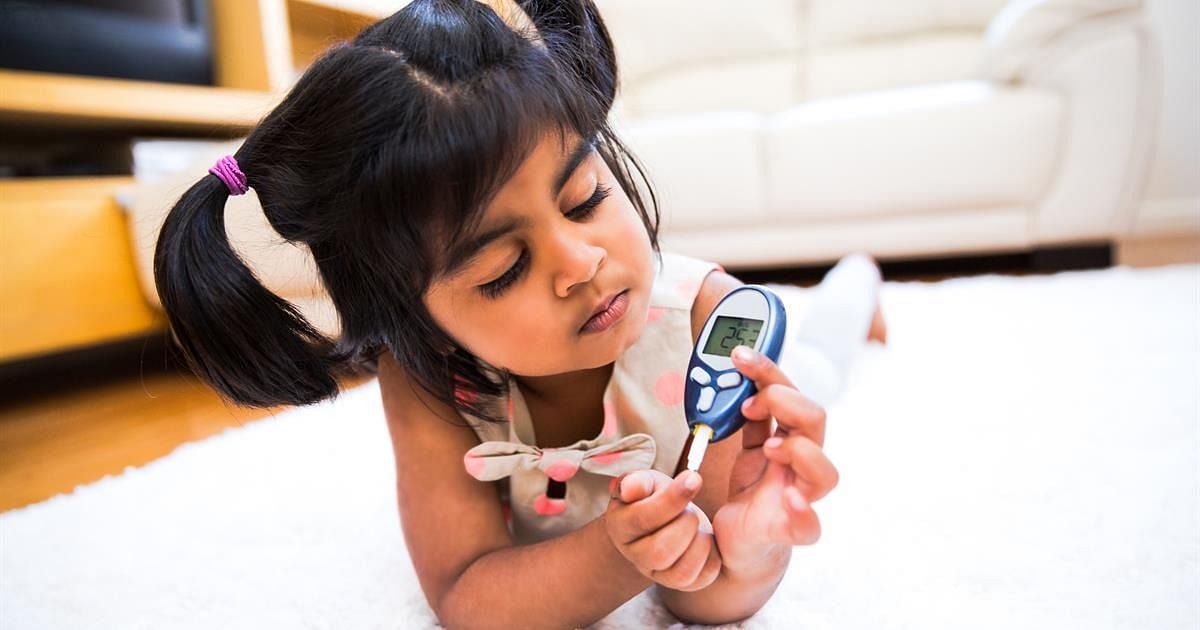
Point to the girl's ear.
(248, 343)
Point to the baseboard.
(1155, 251)
(1036, 261)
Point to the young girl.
(479, 230)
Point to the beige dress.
(644, 424)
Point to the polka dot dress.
(554, 491)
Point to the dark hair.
(386, 150)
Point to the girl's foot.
(878, 331)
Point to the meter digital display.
(731, 332)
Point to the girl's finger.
(668, 498)
(790, 408)
(755, 432)
(660, 550)
(803, 526)
(807, 461)
(710, 571)
(764, 372)
(638, 485)
(758, 368)
(689, 564)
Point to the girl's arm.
(469, 569)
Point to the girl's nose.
(579, 261)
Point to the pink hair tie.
(226, 169)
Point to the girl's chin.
(600, 349)
(630, 329)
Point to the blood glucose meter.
(751, 316)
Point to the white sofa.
(785, 131)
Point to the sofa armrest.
(1101, 58)
(166, 172)
(1019, 38)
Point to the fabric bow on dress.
(494, 460)
(490, 461)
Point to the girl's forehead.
(550, 163)
(540, 177)
(544, 172)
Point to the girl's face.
(558, 242)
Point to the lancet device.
(751, 316)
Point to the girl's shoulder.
(678, 281)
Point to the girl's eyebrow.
(461, 255)
(582, 150)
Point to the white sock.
(821, 345)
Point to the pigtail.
(252, 346)
(576, 37)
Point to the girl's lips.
(605, 319)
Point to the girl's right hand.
(654, 524)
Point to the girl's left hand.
(775, 478)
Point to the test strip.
(700, 437)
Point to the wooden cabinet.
(67, 276)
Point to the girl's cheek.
(630, 229)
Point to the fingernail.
(691, 482)
(773, 442)
(744, 354)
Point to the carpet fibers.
(1025, 453)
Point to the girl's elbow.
(454, 609)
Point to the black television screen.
(175, 12)
(151, 40)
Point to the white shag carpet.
(1023, 454)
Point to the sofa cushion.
(706, 168)
(758, 85)
(652, 37)
(715, 58)
(948, 146)
(863, 67)
(834, 22)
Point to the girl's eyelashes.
(582, 212)
(495, 288)
(585, 209)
